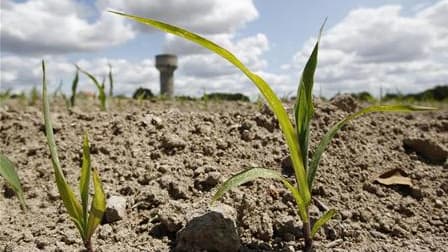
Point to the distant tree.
(143, 93)
(225, 97)
(363, 96)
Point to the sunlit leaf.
(303, 107)
(8, 171)
(322, 220)
(74, 87)
(255, 173)
(84, 181)
(68, 197)
(98, 206)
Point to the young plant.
(111, 81)
(8, 171)
(297, 136)
(85, 221)
(101, 88)
(34, 96)
(74, 87)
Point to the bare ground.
(166, 158)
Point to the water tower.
(167, 64)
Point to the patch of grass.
(85, 221)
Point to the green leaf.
(68, 197)
(74, 87)
(100, 87)
(98, 206)
(303, 108)
(8, 171)
(321, 221)
(332, 132)
(84, 180)
(255, 173)
(271, 98)
(111, 81)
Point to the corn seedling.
(111, 81)
(297, 137)
(101, 88)
(34, 96)
(85, 221)
(74, 87)
(58, 89)
(8, 171)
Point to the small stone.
(212, 231)
(53, 194)
(377, 234)
(27, 236)
(213, 178)
(444, 186)
(346, 214)
(105, 231)
(417, 193)
(157, 121)
(41, 244)
(287, 167)
(246, 135)
(438, 203)
(398, 231)
(370, 188)
(8, 192)
(427, 149)
(171, 223)
(177, 190)
(364, 216)
(115, 210)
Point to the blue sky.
(398, 45)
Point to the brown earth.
(166, 158)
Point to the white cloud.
(378, 47)
(205, 17)
(55, 27)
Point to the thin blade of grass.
(303, 107)
(111, 82)
(255, 173)
(68, 197)
(322, 220)
(8, 171)
(271, 98)
(333, 130)
(98, 206)
(74, 87)
(84, 181)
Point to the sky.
(396, 45)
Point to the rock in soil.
(428, 149)
(115, 209)
(212, 231)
